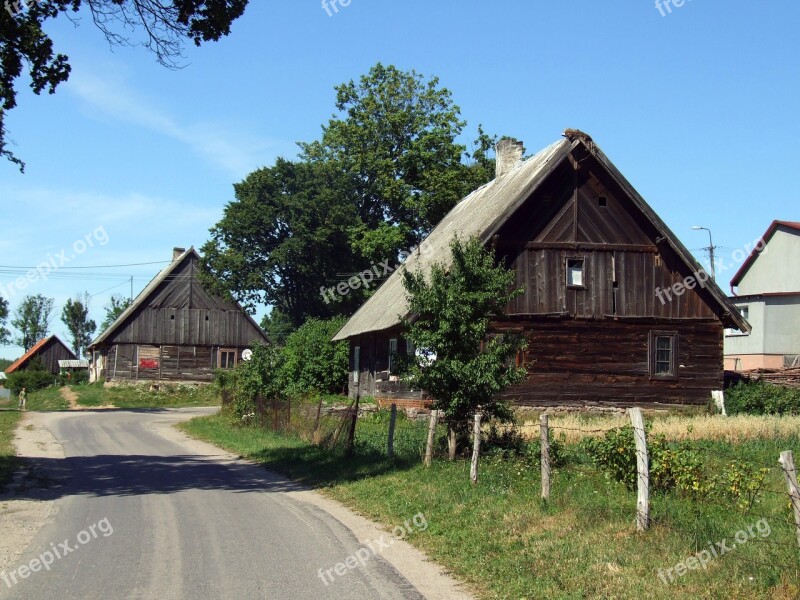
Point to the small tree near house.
(452, 309)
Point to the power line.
(158, 262)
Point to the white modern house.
(766, 290)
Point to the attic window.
(658, 260)
(206, 317)
(172, 317)
(602, 201)
(575, 273)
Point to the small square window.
(227, 358)
(575, 272)
(602, 201)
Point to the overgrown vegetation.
(33, 377)
(761, 398)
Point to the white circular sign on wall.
(247, 354)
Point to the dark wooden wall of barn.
(373, 367)
(53, 352)
(588, 361)
(181, 312)
(132, 362)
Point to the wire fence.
(514, 452)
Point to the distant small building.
(174, 330)
(766, 290)
(49, 351)
(69, 367)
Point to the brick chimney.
(508, 153)
(176, 253)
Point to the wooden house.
(174, 330)
(48, 351)
(767, 291)
(615, 311)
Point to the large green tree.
(452, 309)
(32, 320)
(395, 139)
(75, 316)
(386, 169)
(283, 236)
(312, 362)
(115, 307)
(162, 26)
(5, 334)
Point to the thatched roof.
(482, 214)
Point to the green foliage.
(79, 377)
(33, 377)
(395, 138)
(312, 363)
(32, 320)
(163, 27)
(675, 466)
(75, 316)
(258, 377)
(115, 307)
(285, 233)
(452, 310)
(742, 483)
(277, 325)
(761, 398)
(5, 334)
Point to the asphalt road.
(143, 515)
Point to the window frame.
(393, 345)
(356, 363)
(226, 351)
(567, 271)
(732, 331)
(652, 351)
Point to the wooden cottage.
(174, 330)
(615, 311)
(48, 351)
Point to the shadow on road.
(116, 475)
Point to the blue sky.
(698, 108)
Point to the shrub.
(671, 466)
(312, 363)
(258, 377)
(34, 377)
(761, 398)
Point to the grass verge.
(8, 458)
(505, 542)
(140, 396)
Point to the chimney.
(508, 153)
(176, 252)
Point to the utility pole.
(711, 247)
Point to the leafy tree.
(277, 326)
(452, 310)
(162, 27)
(5, 363)
(32, 320)
(5, 334)
(284, 234)
(75, 316)
(115, 307)
(395, 141)
(312, 362)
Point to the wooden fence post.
(476, 448)
(544, 441)
(431, 437)
(642, 471)
(392, 423)
(787, 462)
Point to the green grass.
(505, 542)
(8, 458)
(48, 399)
(133, 396)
